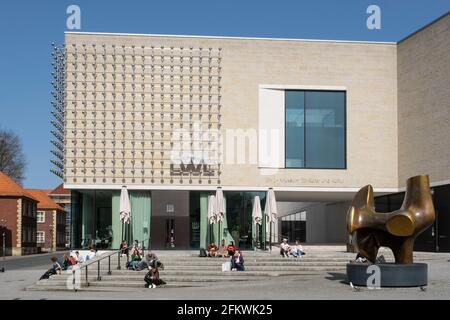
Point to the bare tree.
(12, 159)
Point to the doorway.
(170, 233)
(170, 220)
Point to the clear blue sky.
(27, 29)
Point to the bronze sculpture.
(398, 229)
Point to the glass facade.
(436, 237)
(293, 227)
(315, 129)
(95, 219)
(239, 226)
(295, 129)
(92, 219)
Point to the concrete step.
(205, 261)
(112, 287)
(125, 282)
(125, 276)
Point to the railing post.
(87, 280)
(109, 265)
(118, 261)
(98, 271)
(73, 279)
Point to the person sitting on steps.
(152, 279)
(231, 249)
(237, 261)
(222, 251)
(124, 248)
(284, 249)
(135, 259)
(66, 263)
(297, 250)
(55, 269)
(212, 250)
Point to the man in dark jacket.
(237, 261)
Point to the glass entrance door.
(239, 217)
(170, 220)
(170, 233)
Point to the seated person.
(152, 277)
(66, 263)
(79, 257)
(55, 269)
(124, 248)
(237, 262)
(231, 249)
(73, 259)
(222, 251)
(135, 259)
(150, 260)
(284, 249)
(212, 250)
(136, 246)
(297, 250)
(91, 254)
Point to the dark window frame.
(304, 135)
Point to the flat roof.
(256, 38)
(223, 37)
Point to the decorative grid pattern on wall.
(58, 104)
(130, 110)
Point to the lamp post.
(3, 225)
(4, 244)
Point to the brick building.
(51, 222)
(62, 197)
(18, 209)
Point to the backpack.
(202, 253)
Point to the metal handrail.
(97, 260)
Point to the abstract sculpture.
(398, 229)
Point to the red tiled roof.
(45, 202)
(59, 190)
(8, 187)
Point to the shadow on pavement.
(337, 276)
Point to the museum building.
(174, 117)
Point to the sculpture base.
(391, 274)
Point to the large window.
(315, 129)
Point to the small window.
(40, 218)
(40, 237)
(170, 208)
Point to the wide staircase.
(186, 269)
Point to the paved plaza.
(23, 272)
